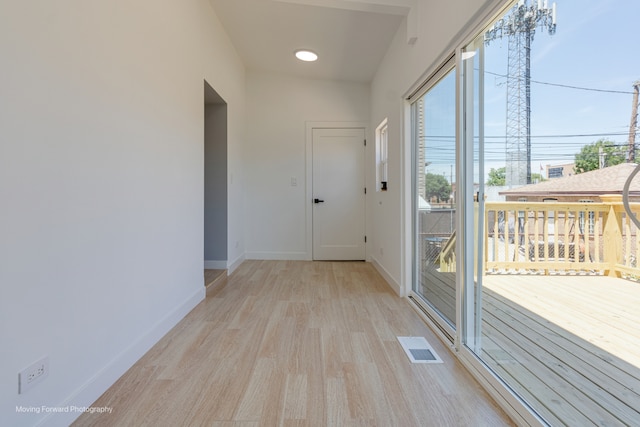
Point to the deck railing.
(561, 238)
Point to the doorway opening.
(215, 181)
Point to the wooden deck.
(439, 289)
(570, 345)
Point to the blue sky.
(595, 47)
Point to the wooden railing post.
(612, 234)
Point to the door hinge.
(365, 142)
(365, 190)
(365, 239)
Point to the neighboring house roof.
(609, 180)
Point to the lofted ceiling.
(350, 36)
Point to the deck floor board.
(577, 330)
(568, 344)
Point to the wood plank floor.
(570, 345)
(439, 289)
(293, 343)
(212, 275)
(214, 280)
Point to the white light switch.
(294, 181)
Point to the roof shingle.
(609, 180)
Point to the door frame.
(309, 177)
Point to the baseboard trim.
(279, 256)
(90, 391)
(387, 277)
(215, 265)
(232, 266)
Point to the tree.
(536, 177)
(497, 177)
(437, 186)
(588, 158)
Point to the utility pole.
(600, 158)
(520, 27)
(631, 155)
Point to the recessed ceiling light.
(306, 55)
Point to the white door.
(338, 194)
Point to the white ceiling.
(350, 36)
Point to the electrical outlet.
(33, 374)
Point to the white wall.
(278, 108)
(101, 185)
(404, 66)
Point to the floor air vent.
(419, 350)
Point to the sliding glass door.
(434, 197)
(547, 256)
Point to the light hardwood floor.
(214, 279)
(211, 276)
(293, 343)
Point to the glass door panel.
(551, 277)
(434, 130)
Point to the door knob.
(318, 201)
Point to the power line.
(582, 88)
(563, 85)
(450, 138)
